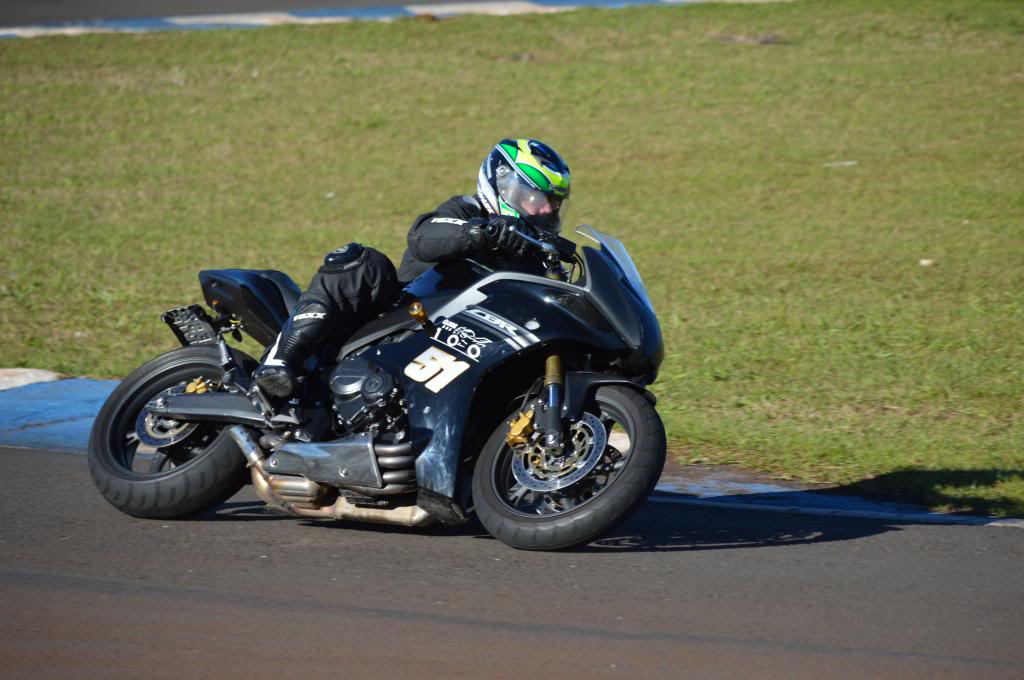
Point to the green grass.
(803, 336)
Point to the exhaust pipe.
(298, 496)
(254, 455)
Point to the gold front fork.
(553, 370)
(550, 421)
(553, 394)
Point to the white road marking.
(17, 377)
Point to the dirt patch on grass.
(758, 39)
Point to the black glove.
(479, 237)
(498, 233)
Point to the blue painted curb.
(52, 415)
(315, 16)
(387, 12)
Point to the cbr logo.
(494, 321)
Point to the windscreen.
(617, 251)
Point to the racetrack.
(677, 592)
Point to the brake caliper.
(197, 386)
(519, 429)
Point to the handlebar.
(553, 246)
(543, 245)
(553, 249)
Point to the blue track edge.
(52, 415)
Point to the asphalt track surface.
(30, 12)
(86, 592)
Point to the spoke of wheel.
(517, 493)
(142, 459)
(157, 462)
(566, 502)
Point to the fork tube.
(553, 400)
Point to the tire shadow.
(668, 528)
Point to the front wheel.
(153, 467)
(614, 454)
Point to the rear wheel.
(614, 454)
(153, 467)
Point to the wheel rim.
(619, 443)
(147, 446)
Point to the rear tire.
(528, 527)
(207, 468)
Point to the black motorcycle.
(519, 397)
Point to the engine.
(367, 400)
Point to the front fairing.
(616, 287)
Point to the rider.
(522, 184)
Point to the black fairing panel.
(559, 315)
(387, 324)
(261, 299)
(437, 420)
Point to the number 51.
(436, 366)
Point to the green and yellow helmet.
(525, 178)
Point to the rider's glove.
(505, 239)
(479, 236)
(497, 233)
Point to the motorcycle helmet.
(527, 179)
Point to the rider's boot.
(309, 325)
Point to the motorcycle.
(521, 398)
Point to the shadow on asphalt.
(665, 528)
(241, 511)
(654, 528)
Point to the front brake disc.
(588, 439)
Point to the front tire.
(579, 513)
(182, 479)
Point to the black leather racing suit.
(442, 235)
(356, 282)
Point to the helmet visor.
(534, 206)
